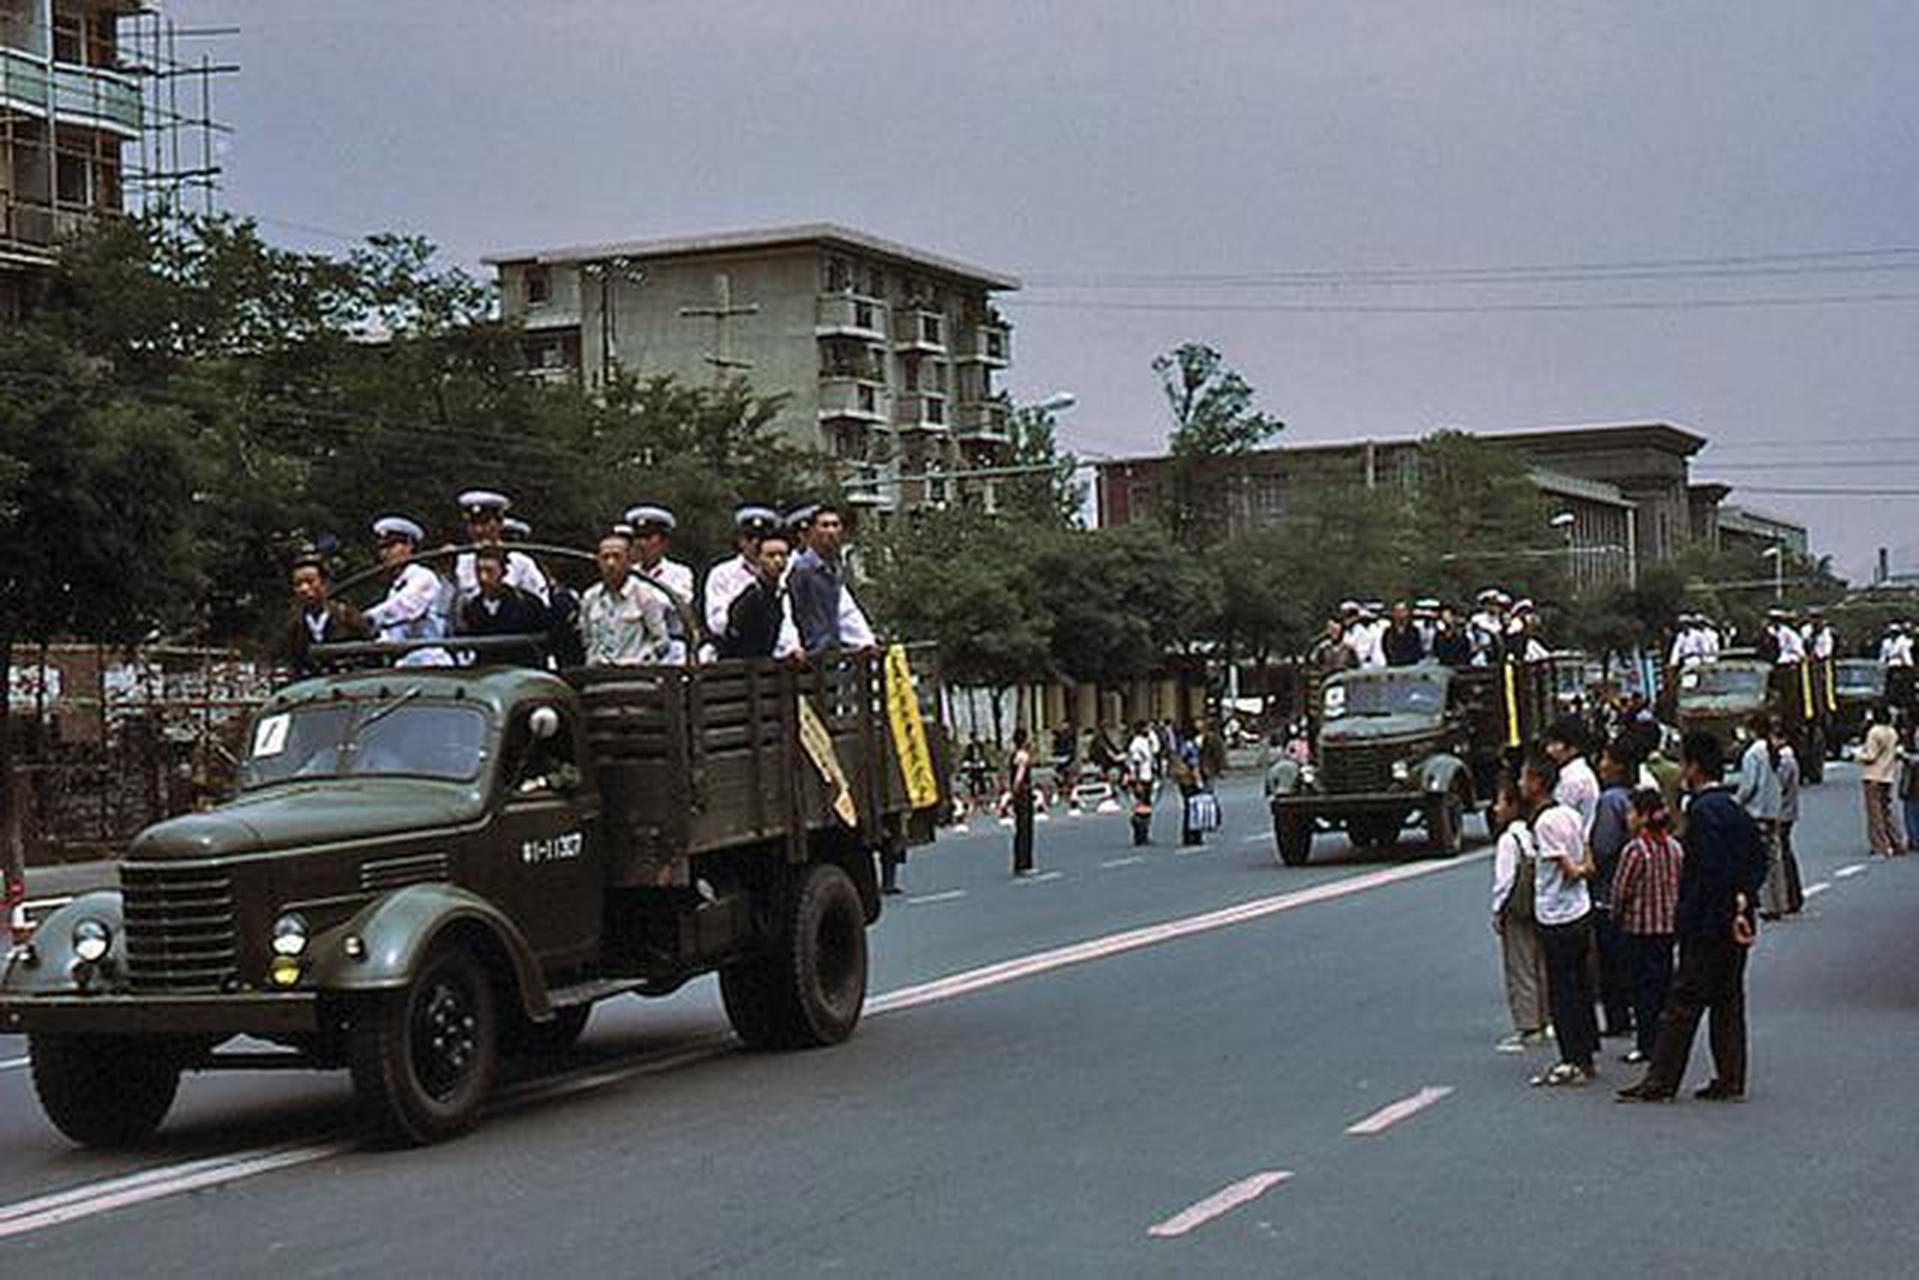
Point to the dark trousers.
(1795, 892)
(1649, 957)
(1142, 813)
(1022, 830)
(1569, 989)
(1615, 974)
(1711, 976)
(1188, 833)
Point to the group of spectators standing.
(1628, 892)
(1369, 635)
(782, 594)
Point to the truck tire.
(1446, 824)
(555, 1036)
(104, 1091)
(423, 1059)
(1293, 837)
(810, 987)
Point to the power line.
(1828, 492)
(1368, 281)
(1475, 308)
(1815, 464)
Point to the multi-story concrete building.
(887, 354)
(68, 108)
(1627, 486)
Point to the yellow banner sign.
(818, 745)
(909, 732)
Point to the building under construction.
(103, 110)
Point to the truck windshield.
(1385, 698)
(1719, 682)
(338, 740)
(1862, 677)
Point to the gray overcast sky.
(1081, 139)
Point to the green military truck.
(425, 868)
(1722, 694)
(1399, 746)
(1859, 697)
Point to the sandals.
(1562, 1074)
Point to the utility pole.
(608, 272)
(723, 310)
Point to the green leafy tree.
(1213, 420)
(1053, 496)
(1474, 517)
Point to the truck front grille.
(180, 928)
(1349, 770)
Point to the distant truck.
(1420, 745)
(1859, 697)
(1721, 695)
(427, 867)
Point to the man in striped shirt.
(1645, 898)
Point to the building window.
(939, 376)
(863, 317)
(72, 184)
(931, 327)
(103, 40)
(839, 276)
(912, 375)
(69, 36)
(539, 287)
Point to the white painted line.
(1005, 971)
(1263, 837)
(1133, 861)
(922, 899)
(1042, 877)
(1386, 1117)
(1814, 890)
(14, 1064)
(1220, 1202)
(1848, 871)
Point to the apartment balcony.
(920, 411)
(848, 315)
(985, 421)
(851, 396)
(865, 484)
(917, 329)
(91, 97)
(987, 344)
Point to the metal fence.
(107, 741)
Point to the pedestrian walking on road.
(1521, 957)
(1645, 896)
(1020, 787)
(1578, 787)
(1563, 908)
(1720, 875)
(1758, 793)
(1611, 829)
(1140, 759)
(1879, 768)
(1786, 765)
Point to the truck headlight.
(91, 939)
(1402, 771)
(1308, 775)
(290, 934)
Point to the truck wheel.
(556, 1036)
(1446, 824)
(810, 988)
(104, 1091)
(1294, 838)
(423, 1059)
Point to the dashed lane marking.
(1814, 890)
(925, 899)
(1848, 871)
(1133, 861)
(1043, 877)
(1220, 1202)
(14, 1064)
(1386, 1117)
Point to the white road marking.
(1005, 971)
(1386, 1117)
(1133, 861)
(1848, 871)
(1220, 1202)
(1042, 877)
(1264, 837)
(1814, 890)
(924, 898)
(91, 1199)
(14, 1064)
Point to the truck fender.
(1443, 773)
(397, 932)
(45, 966)
(1283, 778)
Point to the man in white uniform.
(485, 513)
(418, 601)
(733, 575)
(651, 529)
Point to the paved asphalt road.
(1161, 1102)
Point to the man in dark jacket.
(316, 618)
(1404, 646)
(759, 621)
(1719, 883)
(502, 609)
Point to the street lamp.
(1564, 522)
(1777, 554)
(1058, 402)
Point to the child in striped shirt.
(1645, 897)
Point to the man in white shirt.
(652, 531)
(1364, 636)
(1896, 649)
(1818, 636)
(485, 513)
(418, 601)
(1786, 638)
(1563, 909)
(622, 619)
(1487, 628)
(734, 574)
(1578, 785)
(1142, 761)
